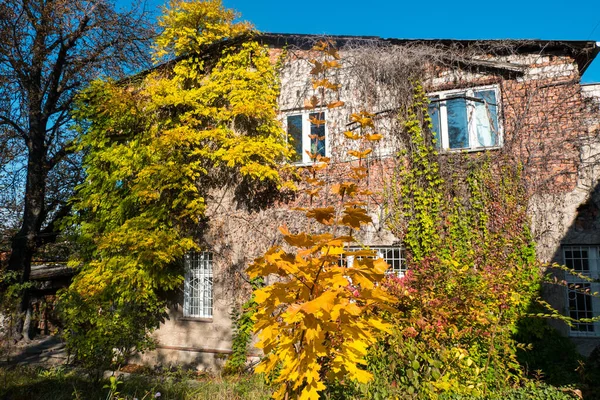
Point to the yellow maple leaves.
(153, 148)
(318, 309)
(320, 315)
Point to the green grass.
(62, 383)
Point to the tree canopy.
(49, 51)
(154, 147)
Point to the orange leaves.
(321, 82)
(320, 315)
(322, 215)
(374, 137)
(318, 67)
(319, 162)
(321, 66)
(327, 47)
(317, 122)
(311, 103)
(332, 64)
(352, 135)
(359, 172)
(325, 302)
(325, 83)
(335, 104)
(379, 266)
(364, 119)
(354, 217)
(312, 315)
(345, 189)
(313, 192)
(300, 240)
(360, 154)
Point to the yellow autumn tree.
(321, 314)
(153, 148)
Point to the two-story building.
(522, 98)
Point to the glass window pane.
(294, 130)
(458, 132)
(486, 118)
(434, 113)
(580, 299)
(585, 265)
(568, 254)
(580, 306)
(317, 132)
(569, 263)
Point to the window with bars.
(583, 260)
(394, 256)
(198, 285)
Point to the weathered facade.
(517, 98)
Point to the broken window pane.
(465, 119)
(458, 131)
(485, 118)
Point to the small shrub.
(547, 353)
(242, 335)
(531, 390)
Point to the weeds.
(25, 383)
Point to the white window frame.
(198, 285)
(471, 126)
(397, 265)
(575, 296)
(306, 125)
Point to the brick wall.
(546, 126)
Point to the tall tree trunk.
(24, 243)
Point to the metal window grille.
(394, 256)
(198, 285)
(581, 304)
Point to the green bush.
(532, 390)
(547, 354)
(242, 334)
(472, 271)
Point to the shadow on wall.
(579, 250)
(191, 343)
(560, 354)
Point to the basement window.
(581, 303)
(198, 285)
(466, 119)
(307, 134)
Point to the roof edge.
(582, 51)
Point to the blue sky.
(508, 19)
